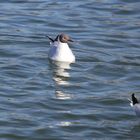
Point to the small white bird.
(135, 104)
(60, 50)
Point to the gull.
(60, 50)
(135, 104)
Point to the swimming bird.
(135, 104)
(60, 50)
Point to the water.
(85, 102)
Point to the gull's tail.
(52, 40)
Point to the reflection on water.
(61, 80)
(61, 76)
(60, 72)
(65, 124)
(60, 68)
(62, 96)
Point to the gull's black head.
(63, 38)
(134, 99)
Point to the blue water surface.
(88, 101)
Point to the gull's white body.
(61, 52)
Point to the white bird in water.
(60, 50)
(135, 104)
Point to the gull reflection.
(60, 68)
(62, 96)
(64, 123)
(60, 72)
(61, 77)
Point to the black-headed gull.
(135, 104)
(60, 50)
